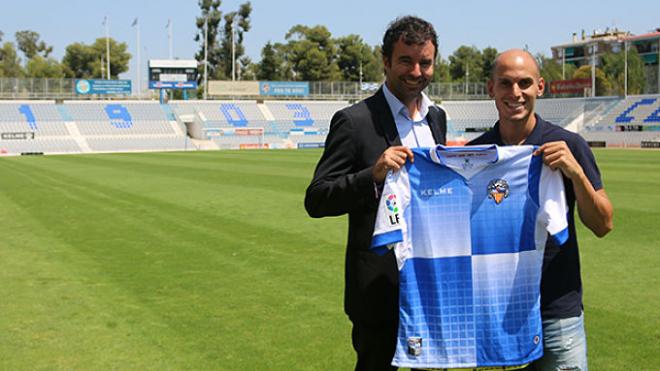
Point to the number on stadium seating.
(301, 115)
(237, 119)
(653, 117)
(119, 116)
(624, 116)
(29, 116)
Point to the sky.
(503, 24)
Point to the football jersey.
(468, 226)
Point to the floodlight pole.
(169, 37)
(467, 76)
(625, 69)
(206, 54)
(360, 72)
(233, 49)
(107, 43)
(139, 79)
(593, 70)
(563, 63)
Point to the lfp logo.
(393, 209)
(391, 203)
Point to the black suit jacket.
(343, 183)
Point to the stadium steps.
(168, 112)
(75, 135)
(177, 129)
(265, 111)
(576, 124)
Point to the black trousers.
(374, 343)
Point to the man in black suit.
(365, 141)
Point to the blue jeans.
(564, 345)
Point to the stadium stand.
(112, 126)
(304, 114)
(638, 110)
(283, 124)
(96, 126)
(468, 119)
(228, 114)
(41, 118)
(110, 119)
(34, 127)
(125, 126)
(560, 111)
(626, 122)
(40, 145)
(305, 124)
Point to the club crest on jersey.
(392, 208)
(498, 190)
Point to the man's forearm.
(594, 207)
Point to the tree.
(37, 62)
(466, 60)
(245, 69)
(219, 51)
(375, 71)
(10, 63)
(211, 16)
(312, 53)
(248, 69)
(271, 67)
(119, 55)
(28, 42)
(41, 67)
(81, 61)
(242, 20)
(613, 65)
(356, 57)
(636, 78)
(488, 56)
(441, 70)
(603, 84)
(84, 61)
(551, 69)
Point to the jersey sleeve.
(552, 201)
(390, 223)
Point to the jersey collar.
(534, 138)
(466, 161)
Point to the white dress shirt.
(415, 131)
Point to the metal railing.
(42, 88)
(348, 90)
(37, 88)
(64, 88)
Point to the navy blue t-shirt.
(561, 285)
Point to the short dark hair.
(410, 30)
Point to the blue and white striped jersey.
(469, 226)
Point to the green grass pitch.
(207, 260)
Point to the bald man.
(514, 84)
